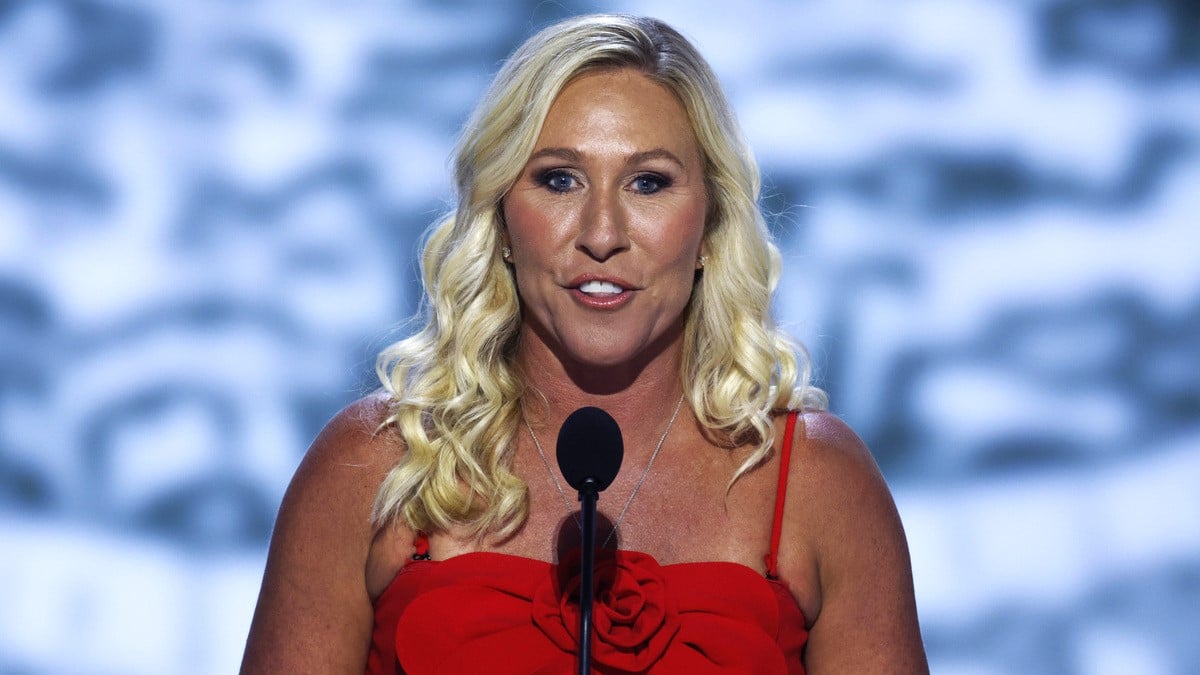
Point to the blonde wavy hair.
(455, 389)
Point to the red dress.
(495, 613)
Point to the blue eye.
(649, 183)
(557, 180)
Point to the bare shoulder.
(314, 612)
(342, 469)
(826, 448)
(356, 431)
(832, 469)
(847, 531)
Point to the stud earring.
(701, 261)
(506, 253)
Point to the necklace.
(645, 472)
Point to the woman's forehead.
(618, 111)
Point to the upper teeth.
(597, 287)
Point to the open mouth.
(600, 288)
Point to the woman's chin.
(604, 358)
(614, 362)
(605, 355)
(609, 346)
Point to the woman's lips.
(601, 301)
(599, 293)
(599, 287)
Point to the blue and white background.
(989, 216)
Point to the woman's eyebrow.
(656, 153)
(559, 153)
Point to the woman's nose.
(603, 227)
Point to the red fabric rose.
(634, 618)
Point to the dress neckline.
(539, 562)
(776, 584)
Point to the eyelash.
(662, 181)
(547, 178)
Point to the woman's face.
(606, 221)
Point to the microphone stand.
(588, 494)
(589, 455)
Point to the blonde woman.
(607, 250)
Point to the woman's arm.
(314, 614)
(867, 622)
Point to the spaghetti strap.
(785, 459)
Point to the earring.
(506, 253)
(701, 261)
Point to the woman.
(607, 251)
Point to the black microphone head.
(590, 446)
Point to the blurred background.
(988, 213)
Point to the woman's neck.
(640, 395)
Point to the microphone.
(589, 454)
(590, 447)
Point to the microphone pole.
(588, 496)
(590, 451)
